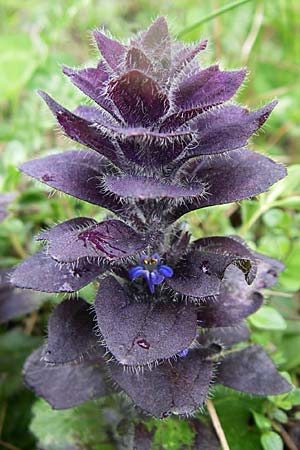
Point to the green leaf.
(81, 426)
(290, 278)
(271, 441)
(290, 348)
(261, 421)
(268, 318)
(170, 434)
(279, 415)
(235, 413)
(295, 396)
(15, 346)
(18, 60)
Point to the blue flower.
(183, 353)
(152, 270)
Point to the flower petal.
(245, 174)
(179, 387)
(83, 237)
(200, 272)
(138, 98)
(166, 271)
(76, 173)
(135, 272)
(42, 273)
(251, 370)
(138, 333)
(66, 385)
(210, 86)
(70, 332)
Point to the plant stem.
(210, 16)
(8, 445)
(285, 436)
(217, 425)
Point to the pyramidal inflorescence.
(164, 138)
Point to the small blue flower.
(183, 353)
(152, 270)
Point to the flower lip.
(151, 270)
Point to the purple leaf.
(5, 285)
(225, 336)
(233, 250)
(142, 188)
(139, 333)
(94, 114)
(235, 302)
(136, 59)
(161, 149)
(83, 237)
(112, 51)
(179, 387)
(245, 174)
(65, 386)
(184, 55)
(208, 87)
(199, 274)
(268, 271)
(91, 81)
(251, 370)
(82, 131)
(226, 129)
(143, 439)
(42, 273)
(205, 438)
(76, 173)
(138, 98)
(70, 332)
(14, 304)
(156, 40)
(5, 199)
(177, 119)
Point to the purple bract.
(164, 138)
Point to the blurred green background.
(36, 37)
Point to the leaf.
(271, 441)
(80, 427)
(261, 421)
(268, 318)
(139, 333)
(234, 412)
(290, 349)
(14, 348)
(18, 60)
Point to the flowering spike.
(164, 138)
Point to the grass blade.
(210, 16)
